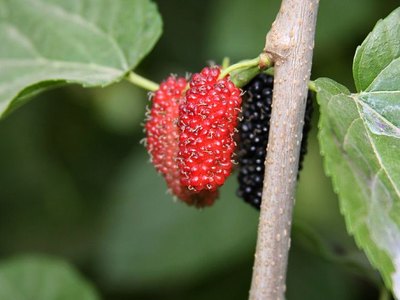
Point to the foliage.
(75, 183)
(37, 277)
(50, 42)
(360, 140)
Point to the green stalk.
(312, 86)
(142, 82)
(262, 62)
(245, 64)
(225, 62)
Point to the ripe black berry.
(253, 137)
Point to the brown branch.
(290, 44)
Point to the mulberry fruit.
(162, 134)
(208, 120)
(253, 137)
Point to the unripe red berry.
(162, 133)
(207, 120)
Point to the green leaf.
(89, 42)
(44, 278)
(376, 64)
(360, 143)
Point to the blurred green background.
(77, 184)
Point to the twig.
(290, 45)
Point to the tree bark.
(289, 44)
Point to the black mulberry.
(253, 137)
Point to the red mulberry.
(162, 140)
(207, 120)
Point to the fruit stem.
(142, 82)
(225, 62)
(261, 61)
(270, 71)
(312, 86)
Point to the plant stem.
(240, 65)
(312, 86)
(246, 64)
(225, 62)
(290, 44)
(142, 82)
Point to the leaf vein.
(376, 152)
(77, 19)
(22, 39)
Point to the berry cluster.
(253, 137)
(190, 134)
(207, 120)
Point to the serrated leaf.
(89, 42)
(360, 142)
(376, 64)
(44, 278)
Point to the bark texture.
(289, 44)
